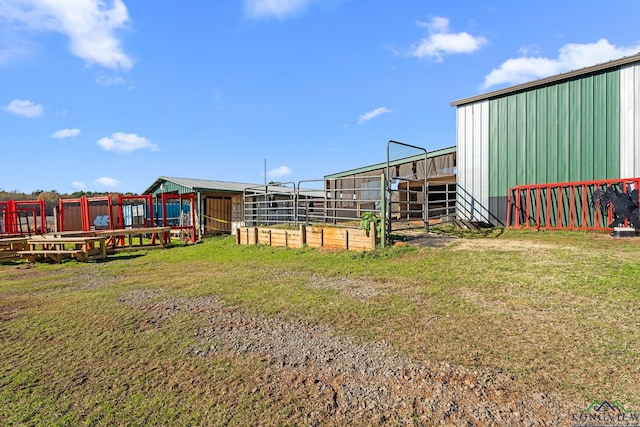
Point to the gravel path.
(346, 382)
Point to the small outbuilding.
(218, 204)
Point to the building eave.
(617, 63)
(430, 154)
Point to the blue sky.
(107, 95)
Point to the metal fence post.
(383, 209)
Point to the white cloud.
(90, 25)
(570, 57)
(106, 182)
(371, 114)
(280, 9)
(24, 108)
(126, 142)
(78, 185)
(442, 41)
(65, 133)
(279, 172)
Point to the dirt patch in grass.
(358, 289)
(505, 245)
(344, 381)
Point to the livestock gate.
(407, 189)
(572, 205)
(270, 204)
(341, 202)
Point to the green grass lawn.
(557, 311)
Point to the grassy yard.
(102, 344)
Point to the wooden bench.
(8, 254)
(56, 255)
(9, 247)
(82, 248)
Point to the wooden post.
(55, 220)
(238, 238)
(303, 235)
(372, 235)
(346, 239)
(255, 235)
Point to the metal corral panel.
(472, 143)
(630, 121)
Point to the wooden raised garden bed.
(315, 237)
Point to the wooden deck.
(83, 245)
(136, 238)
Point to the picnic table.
(82, 248)
(128, 238)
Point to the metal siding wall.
(461, 147)
(600, 161)
(472, 159)
(539, 111)
(520, 115)
(629, 121)
(574, 134)
(170, 187)
(612, 140)
(563, 125)
(508, 139)
(563, 132)
(587, 142)
(531, 135)
(481, 134)
(551, 106)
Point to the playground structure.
(88, 227)
(130, 212)
(102, 213)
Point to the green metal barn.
(577, 126)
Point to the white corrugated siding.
(630, 121)
(472, 139)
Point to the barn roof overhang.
(189, 185)
(364, 169)
(617, 63)
(200, 185)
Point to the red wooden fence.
(565, 205)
